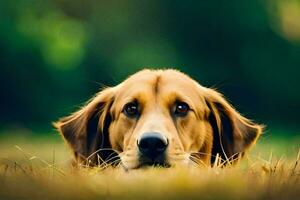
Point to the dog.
(158, 118)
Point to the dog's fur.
(101, 130)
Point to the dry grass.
(38, 170)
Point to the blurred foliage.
(55, 54)
(40, 169)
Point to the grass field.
(36, 167)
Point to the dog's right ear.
(233, 134)
(86, 131)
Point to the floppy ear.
(233, 134)
(86, 131)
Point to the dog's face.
(160, 117)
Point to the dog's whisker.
(198, 161)
(207, 154)
(107, 164)
(112, 158)
(102, 149)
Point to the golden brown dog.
(157, 117)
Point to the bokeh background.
(55, 54)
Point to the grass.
(34, 167)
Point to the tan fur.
(212, 126)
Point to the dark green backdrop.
(55, 54)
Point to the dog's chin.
(154, 165)
(145, 165)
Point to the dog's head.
(159, 117)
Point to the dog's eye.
(181, 109)
(131, 109)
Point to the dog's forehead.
(147, 84)
(147, 79)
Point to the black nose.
(152, 145)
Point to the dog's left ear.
(233, 134)
(86, 131)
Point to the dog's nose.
(152, 145)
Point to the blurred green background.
(55, 54)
